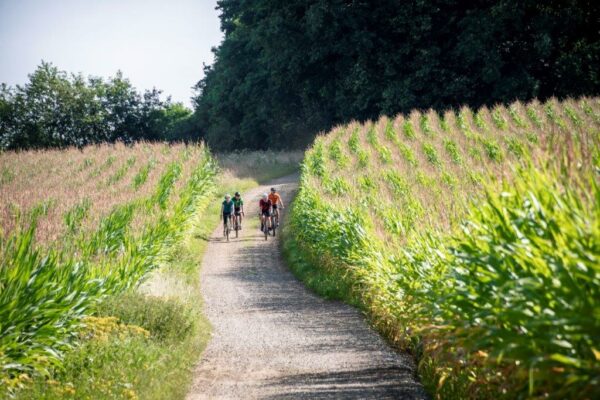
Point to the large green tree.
(55, 109)
(287, 69)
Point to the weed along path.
(274, 339)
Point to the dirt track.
(274, 339)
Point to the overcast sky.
(155, 43)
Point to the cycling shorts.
(226, 215)
(274, 207)
(266, 213)
(238, 211)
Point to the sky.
(160, 44)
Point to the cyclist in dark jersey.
(238, 205)
(265, 206)
(226, 210)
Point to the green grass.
(119, 366)
(166, 319)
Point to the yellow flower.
(130, 394)
(69, 390)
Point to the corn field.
(471, 238)
(79, 225)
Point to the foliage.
(55, 109)
(135, 345)
(115, 361)
(41, 302)
(288, 70)
(165, 319)
(525, 281)
(485, 267)
(46, 291)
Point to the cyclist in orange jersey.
(275, 199)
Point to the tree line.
(288, 69)
(57, 109)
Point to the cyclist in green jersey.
(238, 205)
(226, 210)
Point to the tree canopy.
(289, 69)
(55, 109)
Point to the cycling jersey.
(265, 205)
(275, 198)
(227, 207)
(237, 203)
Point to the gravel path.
(274, 339)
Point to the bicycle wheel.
(273, 226)
(266, 228)
(227, 231)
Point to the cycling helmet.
(273, 189)
(237, 193)
(227, 196)
(264, 196)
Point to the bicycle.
(265, 221)
(236, 224)
(227, 228)
(273, 222)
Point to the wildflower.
(130, 394)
